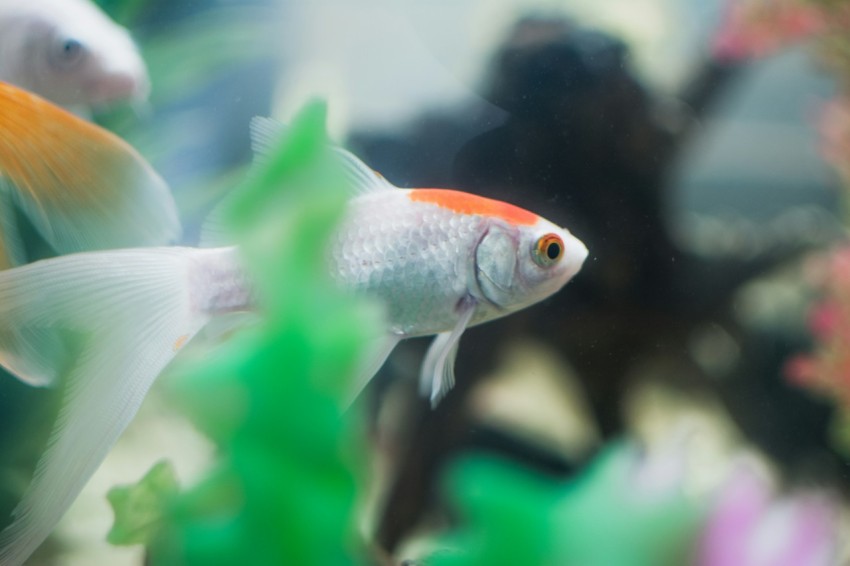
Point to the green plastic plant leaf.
(270, 398)
(614, 515)
(604, 517)
(140, 508)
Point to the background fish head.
(73, 54)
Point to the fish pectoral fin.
(105, 324)
(438, 369)
(372, 362)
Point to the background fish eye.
(69, 52)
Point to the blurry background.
(694, 175)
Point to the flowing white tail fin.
(104, 325)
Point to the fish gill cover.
(283, 490)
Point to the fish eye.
(69, 52)
(71, 48)
(548, 250)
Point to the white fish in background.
(69, 52)
(441, 260)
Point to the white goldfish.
(69, 52)
(441, 260)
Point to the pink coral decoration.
(755, 28)
(752, 526)
(827, 369)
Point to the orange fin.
(11, 247)
(82, 187)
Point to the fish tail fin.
(104, 325)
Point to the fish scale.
(382, 250)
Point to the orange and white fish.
(69, 52)
(441, 260)
(81, 187)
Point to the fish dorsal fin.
(363, 179)
(82, 187)
(214, 234)
(265, 132)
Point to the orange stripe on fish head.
(467, 203)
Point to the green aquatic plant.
(269, 398)
(140, 508)
(611, 514)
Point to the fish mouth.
(119, 87)
(575, 257)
